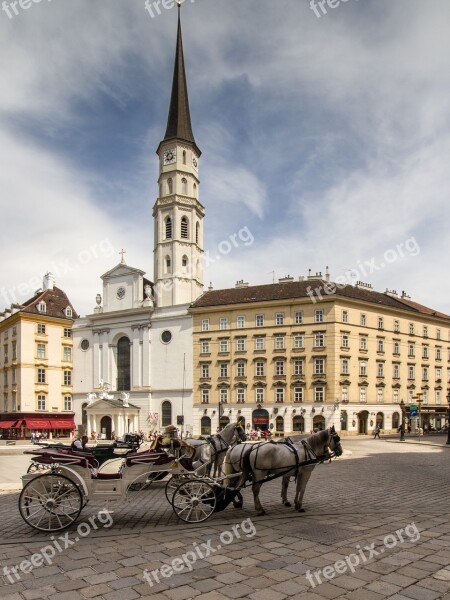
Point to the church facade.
(133, 355)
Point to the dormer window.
(42, 307)
(68, 312)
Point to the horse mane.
(318, 440)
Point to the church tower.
(178, 214)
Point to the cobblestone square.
(346, 544)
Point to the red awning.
(37, 423)
(62, 424)
(7, 424)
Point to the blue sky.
(328, 138)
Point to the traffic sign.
(413, 407)
(413, 413)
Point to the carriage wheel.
(50, 502)
(171, 486)
(194, 501)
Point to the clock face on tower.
(170, 156)
(195, 162)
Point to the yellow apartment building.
(36, 362)
(297, 356)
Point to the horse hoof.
(288, 504)
(261, 513)
(239, 505)
(300, 510)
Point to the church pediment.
(122, 270)
(107, 405)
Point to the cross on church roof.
(122, 252)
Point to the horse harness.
(311, 458)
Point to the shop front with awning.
(22, 425)
(7, 424)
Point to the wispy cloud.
(327, 137)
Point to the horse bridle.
(337, 446)
(327, 455)
(228, 445)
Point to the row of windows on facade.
(42, 308)
(319, 341)
(41, 329)
(184, 187)
(41, 352)
(319, 317)
(319, 368)
(299, 395)
(41, 402)
(41, 376)
(184, 229)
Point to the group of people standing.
(37, 436)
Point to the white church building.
(133, 356)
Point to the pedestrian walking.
(376, 432)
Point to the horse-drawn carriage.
(54, 495)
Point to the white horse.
(216, 447)
(280, 459)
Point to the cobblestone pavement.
(377, 489)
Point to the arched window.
(170, 185)
(184, 157)
(160, 190)
(395, 420)
(298, 424)
(84, 418)
(168, 228)
(167, 264)
(184, 186)
(123, 365)
(380, 420)
(205, 426)
(197, 233)
(166, 413)
(195, 190)
(279, 425)
(184, 261)
(184, 228)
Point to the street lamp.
(448, 417)
(419, 402)
(220, 410)
(402, 427)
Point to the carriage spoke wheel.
(50, 502)
(172, 485)
(194, 501)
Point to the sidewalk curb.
(417, 443)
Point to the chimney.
(363, 286)
(286, 279)
(241, 284)
(327, 275)
(392, 293)
(49, 281)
